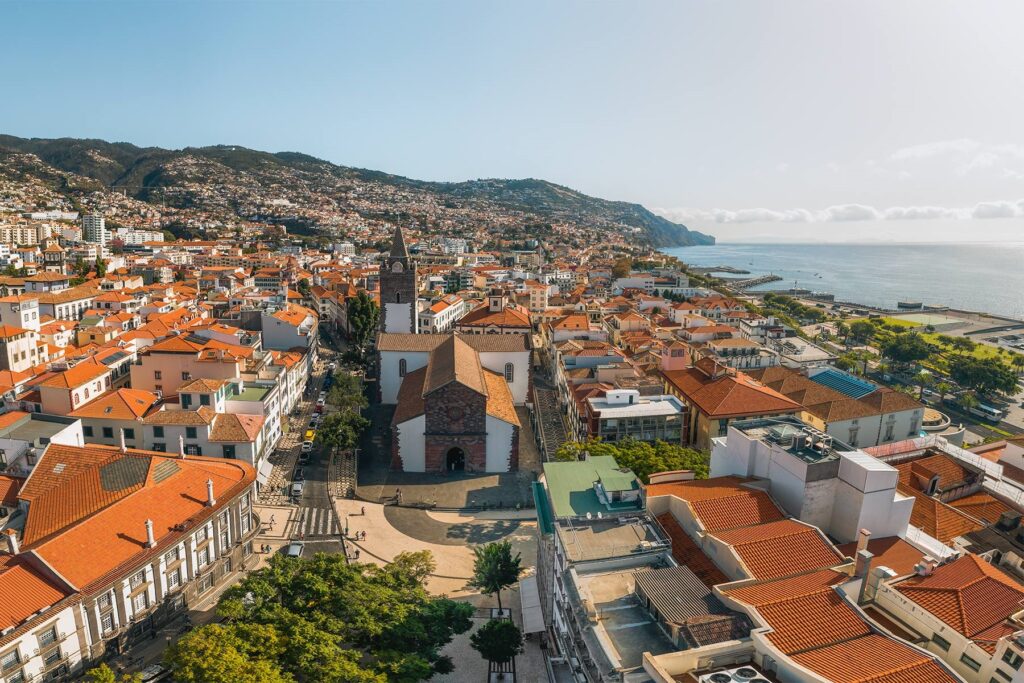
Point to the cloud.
(845, 213)
(963, 156)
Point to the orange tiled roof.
(811, 620)
(103, 518)
(721, 503)
(236, 427)
(937, 519)
(873, 659)
(982, 506)
(971, 595)
(24, 591)
(892, 552)
(780, 548)
(123, 404)
(689, 554)
(76, 376)
(728, 395)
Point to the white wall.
(520, 384)
(499, 444)
(411, 446)
(398, 318)
(390, 381)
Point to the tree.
(962, 345)
(341, 429)
(1017, 361)
(921, 380)
(322, 619)
(984, 375)
(642, 457)
(104, 674)
(101, 266)
(219, 653)
(861, 332)
(304, 287)
(494, 568)
(363, 315)
(498, 641)
(347, 392)
(904, 349)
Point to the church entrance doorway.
(456, 460)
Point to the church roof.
(454, 361)
(398, 249)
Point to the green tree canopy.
(495, 568)
(104, 674)
(321, 619)
(861, 332)
(101, 266)
(341, 429)
(642, 457)
(499, 640)
(347, 391)
(363, 316)
(984, 375)
(907, 348)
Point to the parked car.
(154, 673)
(307, 446)
(323, 396)
(319, 408)
(332, 366)
(297, 489)
(294, 549)
(320, 403)
(310, 435)
(299, 475)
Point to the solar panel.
(844, 383)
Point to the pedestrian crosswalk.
(313, 521)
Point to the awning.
(533, 617)
(264, 472)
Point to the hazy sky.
(802, 119)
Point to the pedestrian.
(362, 510)
(357, 553)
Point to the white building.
(94, 229)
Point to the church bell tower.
(398, 289)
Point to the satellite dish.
(589, 516)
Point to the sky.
(792, 119)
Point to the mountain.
(230, 181)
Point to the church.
(455, 396)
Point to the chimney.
(862, 570)
(12, 542)
(181, 445)
(862, 540)
(124, 448)
(150, 540)
(210, 500)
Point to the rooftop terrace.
(794, 437)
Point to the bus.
(988, 412)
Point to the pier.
(753, 282)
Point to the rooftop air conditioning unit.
(741, 674)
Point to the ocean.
(975, 277)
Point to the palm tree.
(923, 379)
(968, 400)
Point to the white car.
(307, 446)
(297, 489)
(154, 673)
(294, 549)
(323, 396)
(332, 367)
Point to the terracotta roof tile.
(873, 659)
(728, 395)
(123, 404)
(24, 591)
(892, 552)
(236, 427)
(722, 503)
(780, 548)
(688, 554)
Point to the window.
(107, 622)
(171, 555)
(888, 437)
(190, 432)
(185, 376)
(137, 579)
(158, 432)
(403, 367)
(160, 447)
(52, 657)
(108, 433)
(203, 557)
(941, 642)
(1003, 675)
(398, 296)
(129, 433)
(87, 431)
(205, 583)
(247, 549)
(173, 579)
(104, 600)
(186, 400)
(193, 450)
(970, 663)
(245, 521)
(204, 400)
(140, 601)
(9, 659)
(229, 452)
(87, 392)
(17, 677)
(48, 637)
(1013, 659)
(510, 372)
(224, 540)
(157, 374)
(202, 535)
(158, 387)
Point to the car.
(299, 475)
(307, 446)
(319, 408)
(310, 435)
(294, 549)
(313, 422)
(154, 673)
(332, 366)
(320, 403)
(297, 487)
(303, 458)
